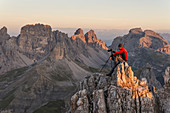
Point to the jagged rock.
(106, 94)
(167, 78)
(136, 38)
(80, 101)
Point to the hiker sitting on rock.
(120, 56)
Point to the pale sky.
(93, 14)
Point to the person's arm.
(119, 52)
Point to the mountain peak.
(79, 31)
(3, 34)
(92, 40)
(91, 36)
(3, 30)
(79, 34)
(135, 30)
(36, 29)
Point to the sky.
(92, 14)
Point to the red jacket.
(123, 54)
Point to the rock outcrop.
(101, 94)
(137, 38)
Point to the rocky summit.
(137, 38)
(121, 93)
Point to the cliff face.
(137, 38)
(35, 41)
(10, 58)
(122, 92)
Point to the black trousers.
(117, 60)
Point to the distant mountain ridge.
(36, 41)
(166, 36)
(137, 38)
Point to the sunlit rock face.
(79, 34)
(92, 40)
(89, 38)
(122, 92)
(137, 38)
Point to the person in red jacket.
(120, 56)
